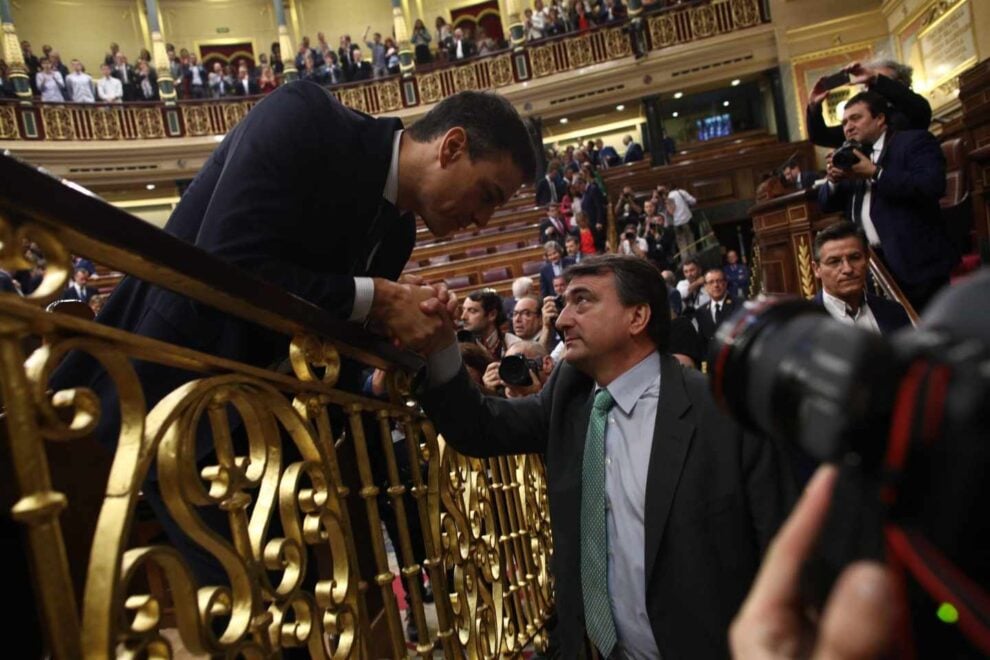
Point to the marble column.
(289, 72)
(407, 62)
(12, 54)
(166, 84)
(514, 24)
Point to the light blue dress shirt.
(628, 443)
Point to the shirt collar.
(630, 387)
(838, 307)
(878, 145)
(391, 192)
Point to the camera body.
(845, 157)
(515, 370)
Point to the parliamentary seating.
(718, 147)
(476, 245)
(524, 215)
(475, 267)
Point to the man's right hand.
(818, 92)
(396, 311)
(491, 379)
(549, 311)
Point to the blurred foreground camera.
(906, 420)
(515, 370)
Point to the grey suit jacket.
(714, 497)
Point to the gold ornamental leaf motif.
(617, 43)
(232, 114)
(105, 124)
(578, 51)
(149, 123)
(500, 70)
(542, 60)
(703, 21)
(58, 123)
(389, 97)
(353, 98)
(197, 119)
(465, 78)
(663, 32)
(745, 12)
(8, 123)
(429, 87)
(804, 265)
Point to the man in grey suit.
(660, 505)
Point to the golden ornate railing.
(486, 537)
(675, 25)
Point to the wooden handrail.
(885, 281)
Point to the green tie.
(594, 535)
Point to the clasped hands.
(415, 315)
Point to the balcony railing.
(676, 25)
(486, 536)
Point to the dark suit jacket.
(546, 276)
(556, 235)
(361, 71)
(890, 315)
(253, 89)
(593, 206)
(543, 196)
(262, 203)
(714, 497)
(634, 153)
(904, 207)
(706, 325)
(467, 47)
(909, 111)
(70, 293)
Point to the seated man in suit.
(78, 289)
(841, 261)
(554, 267)
(634, 152)
(718, 308)
(661, 506)
(893, 193)
(796, 178)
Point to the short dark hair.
(637, 282)
(475, 355)
(876, 103)
(836, 232)
(492, 125)
(490, 302)
(714, 269)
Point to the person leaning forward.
(320, 201)
(660, 505)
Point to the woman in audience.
(391, 56)
(421, 41)
(277, 66)
(444, 37)
(145, 55)
(581, 19)
(486, 45)
(555, 24)
(267, 82)
(51, 84)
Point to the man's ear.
(640, 319)
(816, 267)
(453, 145)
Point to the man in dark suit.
(78, 289)
(550, 189)
(460, 46)
(634, 152)
(719, 306)
(245, 85)
(554, 267)
(892, 81)
(841, 261)
(796, 178)
(593, 208)
(360, 69)
(893, 194)
(554, 227)
(320, 201)
(660, 505)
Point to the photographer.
(626, 207)
(523, 371)
(889, 182)
(890, 80)
(632, 244)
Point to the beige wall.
(188, 23)
(80, 29)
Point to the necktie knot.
(603, 401)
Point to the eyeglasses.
(526, 313)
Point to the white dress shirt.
(110, 89)
(682, 206)
(867, 221)
(840, 311)
(80, 87)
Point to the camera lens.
(514, 370)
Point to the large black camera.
(907, 421)
(844, 157)
(515, 370)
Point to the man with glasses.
(527, 319)
(719, 307)
(841, 261)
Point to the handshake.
(416, 316)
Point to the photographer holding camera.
(889, 182)
(523, 371)
(633, 244)
(887, 78)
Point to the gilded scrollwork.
(13, 241)
(578, 51)
(745, 12)
(197, 119)
(541, 57)
(353, 98)
(232, 114)
(58, 123)
(465, 78)
(389, 97)
(149, 123)
(617, 43)
(703, 21)
(500, 70)
(663, 31)
(430, 89)
(105, 122)
(8, 123)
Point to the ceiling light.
(620, 107)
(674, 114)
(563, 120)
(150, 186)
(735, 83)
(678, 95)
(725, 103)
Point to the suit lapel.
(672, 436)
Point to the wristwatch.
(876, 173)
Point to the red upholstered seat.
(532, 267)
(494, 275)
(476, 252)
(457, 282)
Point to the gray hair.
(902, 72)
(552, 245)
(521, 286)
